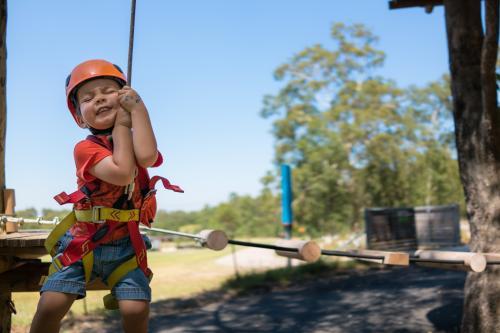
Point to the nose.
(100, 98)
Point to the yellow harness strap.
(98, 214)
(116, 276)
(58, 231)
(88, 263)
(121, 271)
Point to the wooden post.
(9, 205)
(5, 295)
(9, 202)
(3, 98)
(5, 311)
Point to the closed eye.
(85, 99)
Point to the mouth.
(103, 109)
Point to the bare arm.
(118, 169)
(143, 137)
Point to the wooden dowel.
(213, 239)
(390, 258)
(11, 227)
(308, 251)
(475, 262)
(9, 201)
(492, 256)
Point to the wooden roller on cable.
(306, 250)
(213, 239)
(475, 262)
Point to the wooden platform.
(25, 244)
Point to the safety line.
(351, 255)
(263, 246)
(131, 43)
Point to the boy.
(110, 165)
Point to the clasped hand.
(129, 100)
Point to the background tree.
(356, 139)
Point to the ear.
(80, 121)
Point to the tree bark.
(472, 56)
(3, 96)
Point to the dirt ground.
(376, 300)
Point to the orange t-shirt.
(87, 154)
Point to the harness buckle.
(96, 214)
(57, 263)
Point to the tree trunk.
(472, 56)
(3, 96)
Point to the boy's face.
(99, 103)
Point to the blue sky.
(202, 68)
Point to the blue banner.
(286, 195)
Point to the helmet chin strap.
(95, 131)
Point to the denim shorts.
(107, 257)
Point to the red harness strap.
(166, 184)
(139, 247)
(80, 194)
(82, 245)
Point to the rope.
(131, 43)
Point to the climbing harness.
(105, 224)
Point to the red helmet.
(89, 70)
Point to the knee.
(134, 310)
(53, 307)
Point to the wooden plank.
(25, 277)
(32, 252)
(21, 234)
(390, 258)
(19, 240)
(6, 262)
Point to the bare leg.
(51, 309)
(135, 315)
